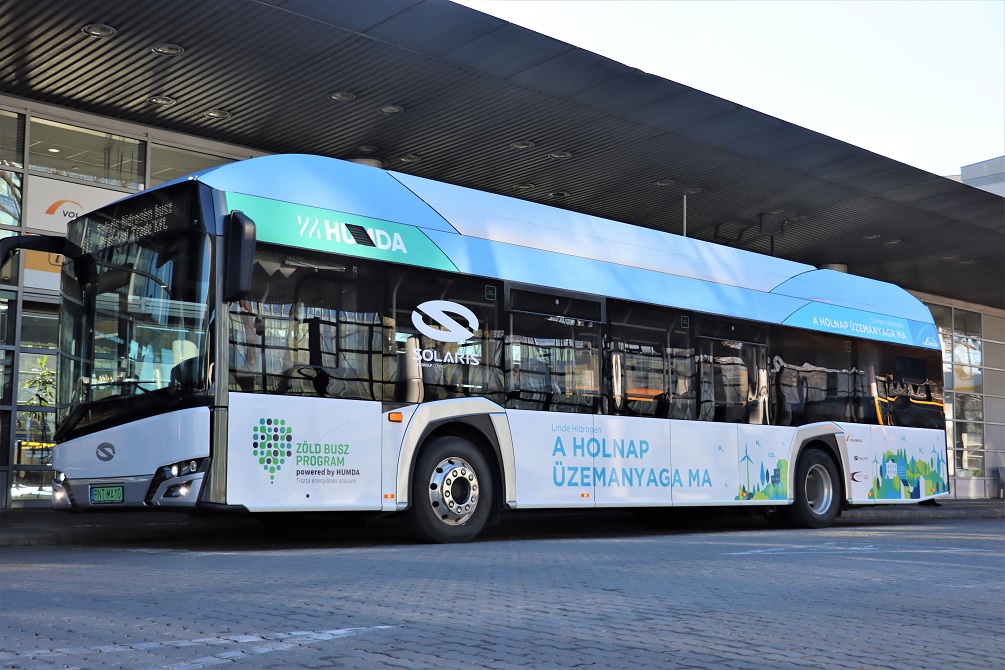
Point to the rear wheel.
(451, 497)
(817, 494)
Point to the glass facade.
(31, 144)
(973, 356)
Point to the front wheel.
(451, 491)
(817, 491)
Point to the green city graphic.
(271, 444)
(769, 484)
(898, 477)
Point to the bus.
(296, 333)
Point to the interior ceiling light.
(893, 241)
(775, 211)
(341, 96)
(523, 186)
(968, 262)
(218, 114)
(53, 150)
(560, 155)
(167, 49)
(871, 236)
(522, 144)
(410, 158)
(391, 109)
(950, 258)
(558, 194)
(695, 190)
(800, 217)
(665, 182)
(98, 30)
(366, 148)
(161, 100)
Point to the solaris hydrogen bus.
(301, 334)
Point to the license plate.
(106, 495)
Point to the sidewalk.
(44, 527)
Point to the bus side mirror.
(239, 255)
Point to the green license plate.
(106, 495)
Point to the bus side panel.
(763, 459)
(553, 468)
(705, 463)
(632, 461)
(896, 464)
(303, 454)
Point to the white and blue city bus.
(301, 334)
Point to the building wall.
(57, 163)
(54, 165)
(987, 175)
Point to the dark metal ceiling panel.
(507, 51)
(471, 86)
(356, 16)
(571, 73)
(433, 28)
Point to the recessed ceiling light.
(775, 211)
(893, 241)
(968, 262)
(522, 144)
(410, 158)
(161, 100)
(53, 150)
(950, 258)
(98, 30)
(665, 182)
(391, 109)
(558, 194)
(366, 148)
(167, 49)
(871, 236)
(523, 186)
(341, 96)
(218, 113)
(694, 190)
(560, 155)
(800, 217)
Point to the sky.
(919, 81)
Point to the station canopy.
(438, 90)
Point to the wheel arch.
(830, 439)
(481, 422)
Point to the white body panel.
(889, 464)
(136, 448)
(317, 453)
(632, 465)
(705, 462)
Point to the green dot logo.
(271, 444)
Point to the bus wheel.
(817, 491)
(451, 491)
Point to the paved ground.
(549, 591)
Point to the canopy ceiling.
(472, 90)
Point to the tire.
(451, 495)
(817, 491)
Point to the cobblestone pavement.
(923, 594)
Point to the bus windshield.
(133, 334)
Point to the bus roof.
(304, 201)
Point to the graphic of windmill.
(746, 458)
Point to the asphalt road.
(550, 592)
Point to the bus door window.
(553, 353)
(447, 337)
(649, 365)
(733, 374)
